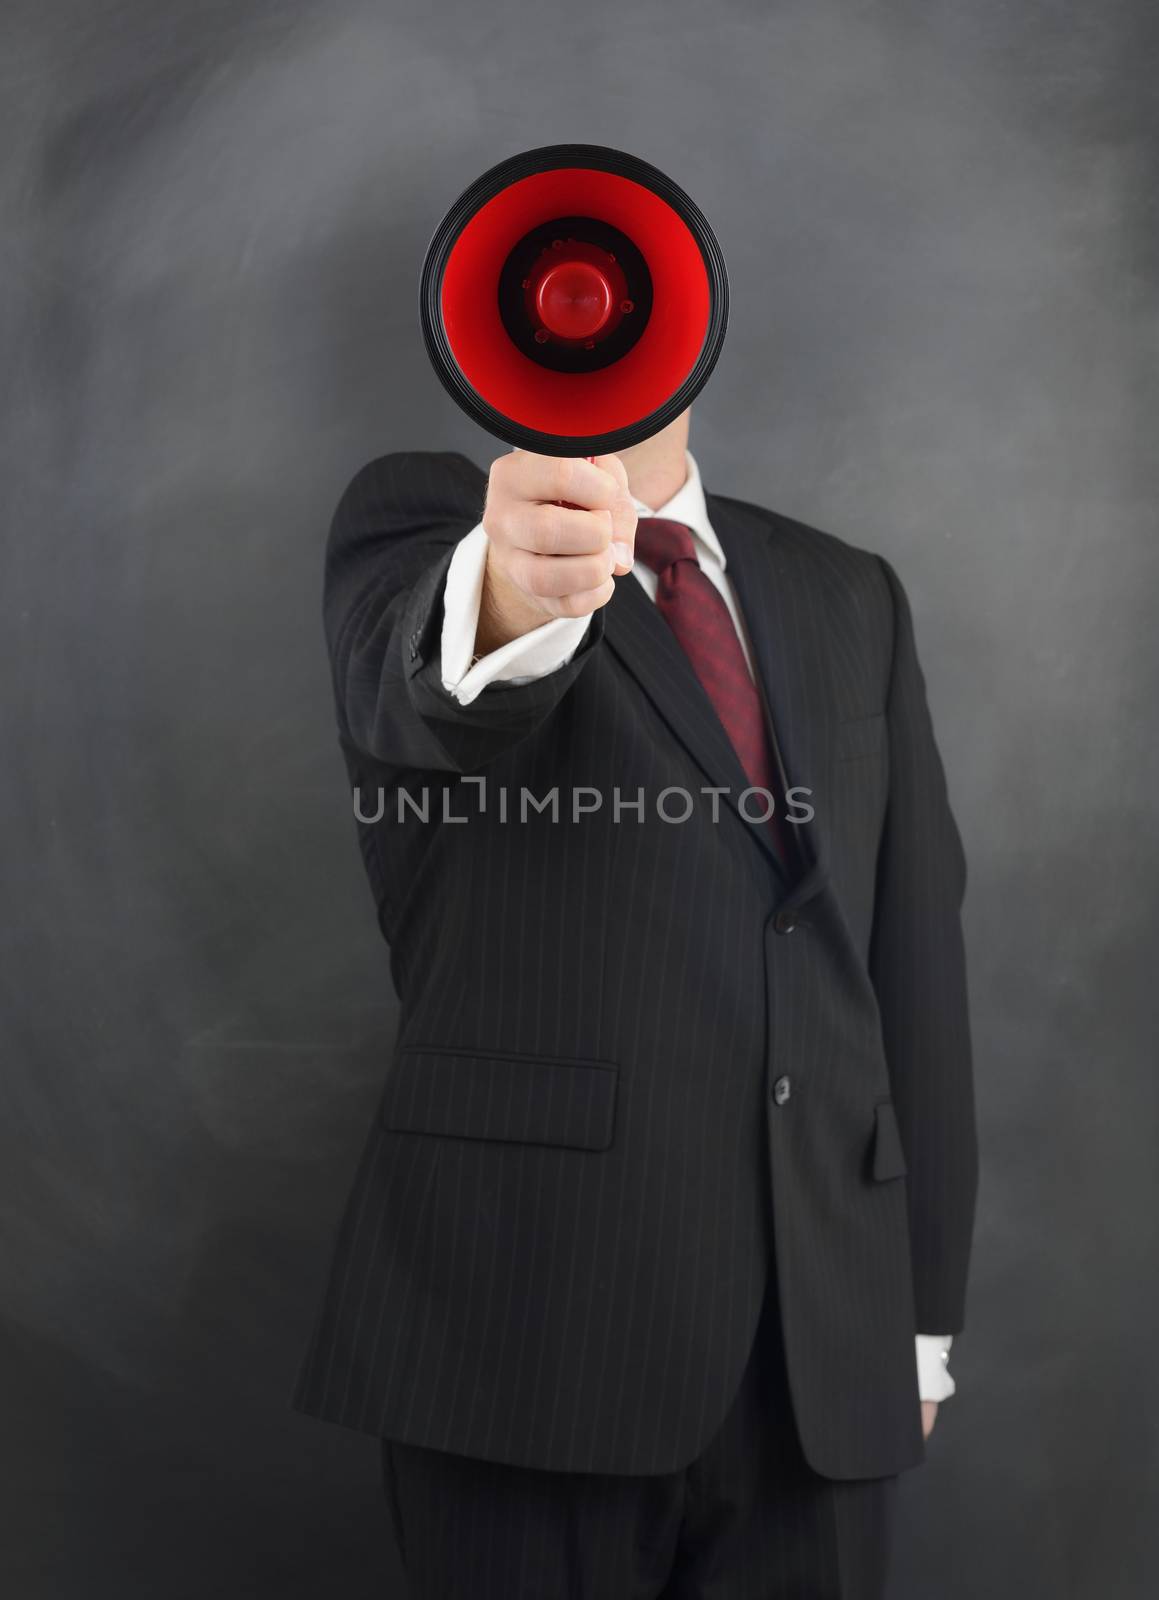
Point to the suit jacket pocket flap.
(888, 1155)
(465, 1094)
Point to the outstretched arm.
(392, 541)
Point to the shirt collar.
(687, 505)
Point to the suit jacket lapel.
(784, 613)
(648, 648)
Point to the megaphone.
(573, 300)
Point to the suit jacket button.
(414, 646)
(781, 1090)
(785, 921)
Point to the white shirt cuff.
(934, 1381)
(533, 655)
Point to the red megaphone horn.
(574, 300)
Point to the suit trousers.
(748, 1519)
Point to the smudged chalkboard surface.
(939, 224)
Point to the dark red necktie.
(695, 610)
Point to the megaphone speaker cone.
(574, 300)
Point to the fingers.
(560, 557)
(526, 476)
(623, 514)
(552, 577)
(616, 467)
(551, 530)
(581, 604)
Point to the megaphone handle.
(567, 504)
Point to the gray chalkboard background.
(940, 222)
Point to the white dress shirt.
(549, 646)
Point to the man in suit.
(676, 1153)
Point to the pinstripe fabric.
(747, 1520)
(558, 1237)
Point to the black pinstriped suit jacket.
(578, 1176)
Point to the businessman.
(653, 1258)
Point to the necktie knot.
(661, 544)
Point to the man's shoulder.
(803, 551)
(440, 485)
